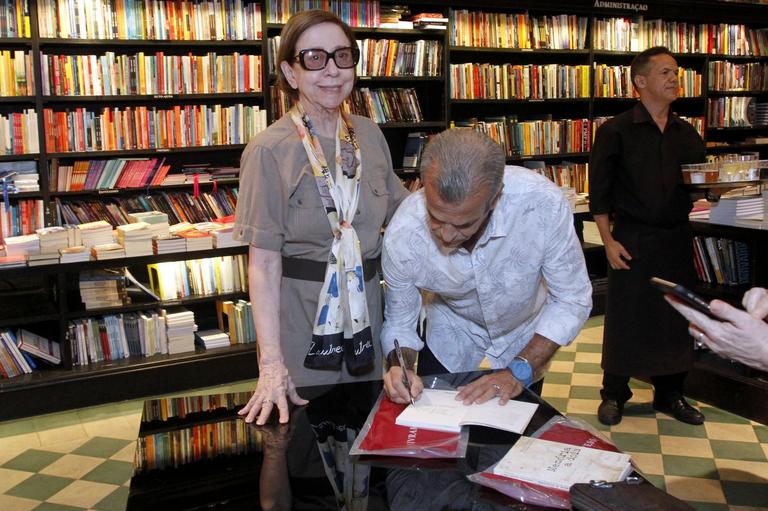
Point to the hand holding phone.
(683, 294)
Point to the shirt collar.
(640, 114)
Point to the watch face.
(522, 370)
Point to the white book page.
(435, 409)
(559, 465)
(439, 409)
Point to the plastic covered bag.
(381, 436)
(557, 429)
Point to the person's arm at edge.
(402, 304)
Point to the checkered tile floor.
(83, 459)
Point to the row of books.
(389, 57)
(565, 175)
(385, 105)
(150, 19)
(721, 260)
(17, 76)
(21, 217)
(14, 19)
(19, 351)
(355, 13)
(732, 112)
(142, 127)
(537, 137)
(201, 442)
(18, 132)
(199, 277)
(138, 334)
(502, 30)
(107, 174)
(518, 81)
(236, 320)
(616, 82)
(158, 74)
(637, 34)
(19, 176)
(181, 407)
(733, 76)
(180, 207)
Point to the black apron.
(644, 335)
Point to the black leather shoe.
(680, 410)
(609, 412)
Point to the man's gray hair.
(462, 161)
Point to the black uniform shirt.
(634, 168)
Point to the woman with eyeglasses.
(316, 187)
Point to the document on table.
(439, 410)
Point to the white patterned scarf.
(341, 329)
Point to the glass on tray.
(697, 173)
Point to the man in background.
(635, 177)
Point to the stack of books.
(13, 261)
(169, 245)
(102, 288)
(22, 245)
(728, 210)
(96, 233)
(429, 20)
(135, 238)
(21, 176)
(107, 251)
(42, 259)
(158, 222)
(74, 254)
(52, 239)
(197, 240)
(180, 328)
(213, 338)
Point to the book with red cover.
(557, 429)
(381, 436)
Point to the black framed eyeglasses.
(315, 59)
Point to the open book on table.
(439, 410)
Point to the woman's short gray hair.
(461, 162)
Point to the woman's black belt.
(306, 269)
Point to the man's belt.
(306, 269)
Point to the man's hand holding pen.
(395, 377)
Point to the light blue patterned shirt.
(525, 275)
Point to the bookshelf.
(231, 32)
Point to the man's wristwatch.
(522, 370)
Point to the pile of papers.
(181, 328)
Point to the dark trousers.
(429, 365)
(666, 387)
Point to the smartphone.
(683, 294)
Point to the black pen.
(406, 381)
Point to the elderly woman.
(316, 188)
